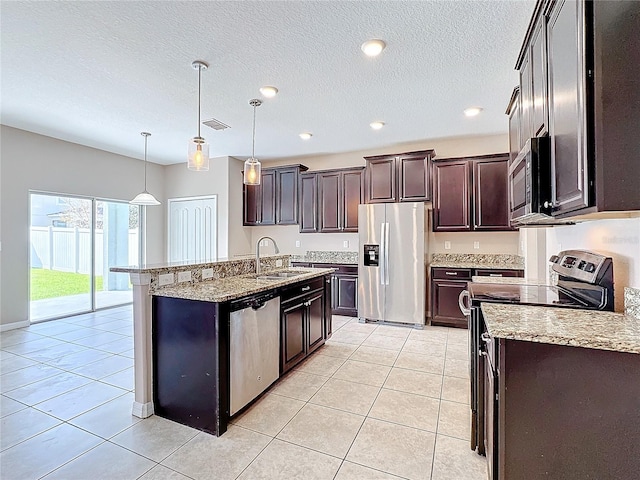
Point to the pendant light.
(252, 164)
(145, 198)
(198, 147)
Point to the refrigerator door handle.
(383, 249)
(386, 254)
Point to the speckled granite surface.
(477, 260)
(632, 301)
(337, 257)
(220, 269)
(230, 288)
(564, 326)
(508, 280)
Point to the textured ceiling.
(98, 73)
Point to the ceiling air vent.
(215, 124)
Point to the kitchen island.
(204, 297)
(561, 392)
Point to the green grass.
(52, 283)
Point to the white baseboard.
(12, 326)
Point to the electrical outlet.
(184, 276)
(263, 243)
(476, 245)
(278, 263)
(447, 245)
(207, 273)
(345, 244)
(297, 243)
(165, 279)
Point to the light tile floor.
(376, 402)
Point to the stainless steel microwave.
(530, 184)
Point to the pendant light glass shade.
(198, 147)
(145, 198)
(252, 167)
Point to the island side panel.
(186, 352)
(568, 412)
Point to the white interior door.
(192, 229)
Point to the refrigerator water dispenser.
(371, 255)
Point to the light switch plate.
(207, 273)
(184, 276)
(165, 279)
(345, 244)
(476, 245)
(447, 245)
(278, 263)
(297, 243)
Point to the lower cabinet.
(303, 322)
(446, 286)
(343, 299)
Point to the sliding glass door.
(74, 242)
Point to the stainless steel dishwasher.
(254, 348)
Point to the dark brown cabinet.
(303, 321)
(308, 215)
(343, 299)
(471, 193)
(579, 85)
(513, 110)
(339, 194)
(275, 200)
(404, 177)
(446, 286)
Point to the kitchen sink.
(278, 275)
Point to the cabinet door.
(526, 98)
(490, 411)
(567, 106)
(268, 198)
(380, 180)
(252, 204)
(491, 195)
(445, 308)
(515, 145)
(451, 197)
(293, 335)
(415, 178)
(328, 197)
(345, 295)
(538, 67)
(352, 189)
(315, 312)
(308, 215)
(287, 196)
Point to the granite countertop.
(508, 280)
(564, 326)
(230, 263)
(477, 260)
(335, 257)
(230, 288)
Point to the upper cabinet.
(515, 138)
(404, 177)
(275, 200)
(579, 85)
(329, 200)
(471, 193)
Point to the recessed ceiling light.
(305, 136)
(373, 48)
(268, 91)
(376, 125)
(472, 111)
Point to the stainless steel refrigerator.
(391, 263)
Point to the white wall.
(461, 242)
(35, 162)
(619, 239)
(223, 179)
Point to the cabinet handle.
(495, 274)
(304, 289)
(451, 273)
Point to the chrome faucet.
(258, 251)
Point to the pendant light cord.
(145, 163)
(199, 83)
(253, 143)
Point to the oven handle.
(466, 311)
